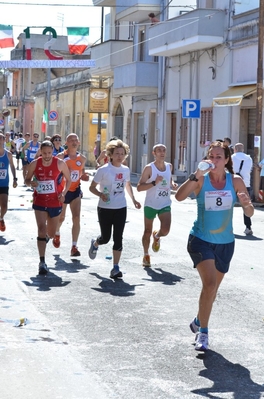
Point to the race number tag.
(218, 200)
(32, 155)
(46, 187)
(118, 187)
(74, 175)
(162, 192)
(3, 173)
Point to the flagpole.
(48, 100)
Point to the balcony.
(136, 10)
(12, 102)
(136, 79)
(193, 31)
(104, 3)
(110, 54)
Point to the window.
(142, 45)
(206, 125)
(183, 144)
(117, 30)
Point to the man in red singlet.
(45, 175)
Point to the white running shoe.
(92, 250)
(193, 326)
(248, 232)
(201, 342)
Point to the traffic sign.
(191, 108)
(2, 122)
(53, 115)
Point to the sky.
(22, 14)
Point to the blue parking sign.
(191, 108)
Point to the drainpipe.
(257, 138)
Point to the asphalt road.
(132, 336)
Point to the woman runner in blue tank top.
(211, 240)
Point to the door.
(119, 121)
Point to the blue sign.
(2, 122)
(53, 115)
(191, 108)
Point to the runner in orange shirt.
(76, 164)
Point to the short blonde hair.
(110, 147)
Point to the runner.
(113, 178)
(6, 160)
(32, 147)
(76, 164)
(157, 180)
(45, 175)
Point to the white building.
(205, 51)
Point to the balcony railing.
(110, 54)
(136, 78)
(193, 31)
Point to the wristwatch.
(153, 182)
(192, 177)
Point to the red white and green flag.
(6, 36)
(44, 121)
(77, 39)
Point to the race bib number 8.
(218, 200)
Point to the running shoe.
(2, 225)
(56, 241)
(75, 251)
(146, 261)
(43, 268)
(116, 273)
(156, 242)
(92, 250)
(201, 342)
(193, 326)
(248, 232)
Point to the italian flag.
(6, 36)
(77, 39)
(44, 121)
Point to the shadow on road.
(73, 267)
(45, 283)
(249, 238)
(163, 276)
(3, 241)
(115, 287)
(227, 377)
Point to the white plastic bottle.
(38, 188)
(205, 165)
(106, 192)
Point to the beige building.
(63, 92)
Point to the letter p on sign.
(191, 108)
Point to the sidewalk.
(34, 361)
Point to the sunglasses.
(35, 135)
(57, 140)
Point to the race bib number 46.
(218, 200)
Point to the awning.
(233, 96)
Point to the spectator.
(227, 142)
(242, 165)
(153, 19)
